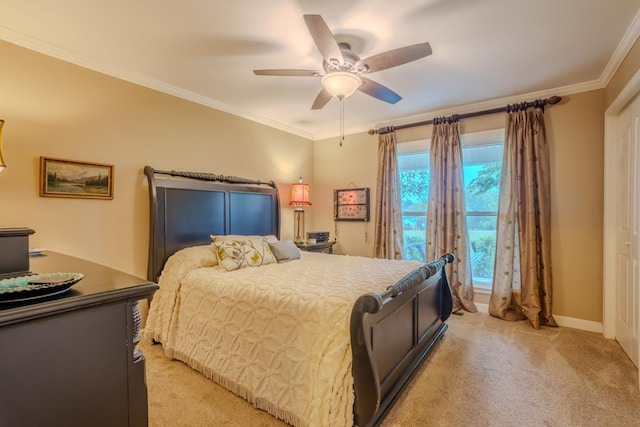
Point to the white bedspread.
(276, 335)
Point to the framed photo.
(351, 204)
(69, 178)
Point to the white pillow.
(235, 254)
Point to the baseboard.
(482, 308)
(565, 322)
(585, 325)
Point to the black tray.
(20, 289)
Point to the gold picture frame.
(70, 178)
(351, 204)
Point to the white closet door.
(627, 199)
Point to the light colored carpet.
(486, 372)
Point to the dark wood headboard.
(187, 207)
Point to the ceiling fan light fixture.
(341, 84)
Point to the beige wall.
(59, 110)
(575, 134)
(352, 165)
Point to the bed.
(319, 340)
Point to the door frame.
(611, 116)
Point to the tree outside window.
(481, 169)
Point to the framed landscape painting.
(69, 178)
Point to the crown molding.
(623, 48)
(495, 103)
(628, 39)
(48, 49)
(626, 43)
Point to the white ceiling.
(485, 52)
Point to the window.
(482, 164)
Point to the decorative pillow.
(235, 254)
(285, 250)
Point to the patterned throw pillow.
(235, 254)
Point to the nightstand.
(326, 247)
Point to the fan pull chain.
(341, 121)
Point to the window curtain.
(522, 285)
(388, 238)
(446, 222)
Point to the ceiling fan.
(343, 71)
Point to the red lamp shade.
(300, 194)
(299, 198)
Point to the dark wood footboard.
(391, 335)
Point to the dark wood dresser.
(70, 359)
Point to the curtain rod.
(552, 100)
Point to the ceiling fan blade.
(379, 91)
(395, 57)
(323, 38)
(321, 100)
(287, 72)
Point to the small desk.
(326, 247)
